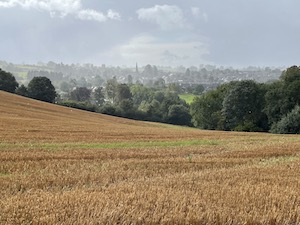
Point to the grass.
(22, 74)
(63, 166)
(119, 145)
(5, 174)
(188, 98)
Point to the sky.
(235, 33)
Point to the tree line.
(236, 106)
(250, 106)
(134, 101)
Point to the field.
(188, 98)
(65, 166)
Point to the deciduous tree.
(243, 105)
(41, 88)
(8, 82)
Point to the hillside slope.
(29, 119)
(65, 166)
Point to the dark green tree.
(289, 124)
(98, 95)
(128, 110)
(206, 110)
(198, 90)
(110, 109)
(173, 87)
(171, 98)
(179, 115)
(283, 95)
(41, 88)
(159, 96)
(8, 82)
(123, 92)
(275, 101)
(22, 90)
(242, 107)
(291, 74)
(140, 93)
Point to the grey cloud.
(166, 16)
(62, 8)
(232, 32)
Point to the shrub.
(290, 124)
(79, 105)
(7, 82)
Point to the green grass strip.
(139, 144)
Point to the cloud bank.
(166, 16)
(62, 8)
(151, 50)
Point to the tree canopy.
(41, 88)
(8, 82)
(243, 106)
(289, 124)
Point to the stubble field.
(64, 166)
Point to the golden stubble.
(65, 166)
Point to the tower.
(136, 69)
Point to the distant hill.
(31, 120)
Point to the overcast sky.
(176, 32)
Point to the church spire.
(136, 68)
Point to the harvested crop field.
(65, 166)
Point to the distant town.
(89, 75)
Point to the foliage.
(289, 124)
(188, 98)
(275, 101)
(122, 93)
(41, 88)
(243, 105)
(159, 83)
(110, 109)
(206, 109)
(140, 93)
(111, 89)
(195, 89)
(80, 94)
(22, 90)
(248, 126)
(179, 115)
(174, 87)
(282, 96)
(79, 105)
(8, 82)
(291, 74)
(98, 96)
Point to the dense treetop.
(7, 82)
